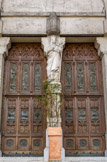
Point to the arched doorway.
(83, 111)
(23, 122)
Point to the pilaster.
(105, 21)
(4, 46)
(101, 45)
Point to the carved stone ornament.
(4, 45)
(53, 47)
(101, 46)
(53, 24)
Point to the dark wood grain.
(86, 132)
(19, 136)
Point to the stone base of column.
(54, 134)
(54, 145)
(56, 151)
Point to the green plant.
(51, 101)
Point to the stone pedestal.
(54, 134)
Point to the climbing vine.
(51, 101)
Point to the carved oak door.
(23, 122)
(83, 111)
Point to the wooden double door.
(83, 111)
(23, 121)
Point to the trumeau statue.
(53, 47)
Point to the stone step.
(21, 159)
(41, 159)
(86, 159)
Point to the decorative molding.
(27, 50)
(79, 51)
(46, 14)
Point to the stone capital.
(5, 44)
(101, 46)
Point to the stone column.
(4, 46)
(53, 47)
(101, 45)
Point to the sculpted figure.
(53, 51)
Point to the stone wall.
(53, 6)
(77, 17)
(37, 26)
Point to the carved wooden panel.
(83, 111)
(23, 122)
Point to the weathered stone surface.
(105, 27)
(0, 4)
(53, 5)
(105, 5)
(53, 24)
(21, 159)
(40, 159)
(0, 28)
(4, 46)
(53, 48)
(27, 26)
(86, 159)
(45, 14)
(79, 26)
(101, 45)
(68, 26)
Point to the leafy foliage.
(51, 102)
